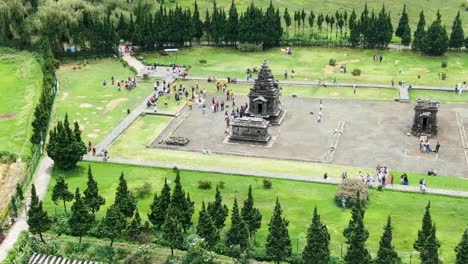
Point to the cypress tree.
(92, 199)
(124, 199)
(426, 228)
(278, 244)
(457, 37)
(19, 192)
(238, 234)
(217, 210)
(61, 192)
(436, 39)
(172, 229)
(81, 219)
(232, 24)
(134, 229)
(402, 23)
(158, 212)
(311, 22)
(387, 253)
(251, 215)
(317, 249)
(319, 23)
(206, 229)
(182, 204)
(287, 19)
(114, 223)
(420, 33)
(430, 252)
(188, 213)
(38, 219)
(356, 235)
(197, 23)
(462, 249)
(13, 210)
(406, 37)
(303, 16)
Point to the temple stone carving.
(264, 98)
(250, 130)
(425, 117)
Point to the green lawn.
(20, 85)
(441, 96)
(311, 64)
(97, 108)
(406, 209)
(448, 9)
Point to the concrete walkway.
(41, 181)
(297, 177)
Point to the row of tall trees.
(171, 215)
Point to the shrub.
(267, 184)
(104, 254)
(143, 191)
(249, 47)
(204, 185)
(221, 184)
(202, 61)
(356, 72)
(74, 67)
(443, 64)
(146, 76)
(79, 67)
(349, 188)
(443, 76)
(7, 157)
(124, 63)
(332, 62)
(133, 70)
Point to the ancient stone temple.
(250, 130)
(425, 117)
(264, 99)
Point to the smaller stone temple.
(425, 117)
(264, 98)
(250, 130)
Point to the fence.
(35, 158)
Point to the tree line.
(170, 220)
(98, 28)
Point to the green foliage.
(436, 39)
(238, 234)
(92, 199)
(13, 210)
(457, 36)
(356, 236)
(251, 215)
(267, 184)
(406, 37)
(278, 244)
(60, 224)
(206, 228)
(124, 198)
(143, 191)
(81, 219)
(7, 157)
(420, 33)
(217, 210)
(172, 235)
(61, 192)
(351, 190)
(332, 62)
(425, 230)
(250, 47)
(65, 146)
(19, 192)
(402, 24)
(462, 249)
(159, 206)
(38, 219)
(356, 72)
(318, 240)
(443, 64)
(114, 223)
(134, 229)
(202, 61)
(197, 252)
(204, 185)
(183, 206)
(429, 254)
(387, 253)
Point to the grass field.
(441, 96)
(312, 64)
(20, 85)
(406, 209)
(448, 9)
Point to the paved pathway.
(239, 172)
(41, 181)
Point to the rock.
(178, 141)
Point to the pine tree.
(134, 229)
(457, 37)
(311, 22)
(387, 253)
(114, 223)
(318, 240)
(462, 249)
(287, 19)
(172, 229)
(232, 24)
(197, 23)
(406, 37)
(430, 252)
(124, 199)
(158, 212)
(61, 192)
(251, 215)
(402, 23)
(425, 231)
(92, 199)
(13, 210)
(81, 219)
(38, 219)
(356, 236)
(278, 244)
(420, 33)
(19, 192)
(238, 234)
(206, 229)
(436, 39)
(217, 210)
(182, 204)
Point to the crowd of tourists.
(129, 83)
